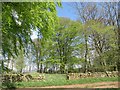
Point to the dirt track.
(92, 85)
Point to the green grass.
(60, 79)
(34, 74)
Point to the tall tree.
(103, 39)
(20, 61)
(19, 19)
(86, 11)
(106, 13)
(112, 18)
(66, 34)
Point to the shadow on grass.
(9, 85)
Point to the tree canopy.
(19, 19)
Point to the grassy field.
(60, 79)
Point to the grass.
(60, 79)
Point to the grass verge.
(59, 79)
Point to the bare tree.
(86, 11)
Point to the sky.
(65, 11)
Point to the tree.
(66, 35)
(20, 61)
(102, 38)
(85, 11)
(105, 13)
(19, 19)
(38, 51)
(41, 51)
(112, 9)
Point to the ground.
(93, 85)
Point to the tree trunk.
(86, 53)
(12, 64)
(118, 63)
(41, 68)
(29, 68)
(62, 68)
(21, 70)
(38, 69)
(8, 61)
(118, 31)
(2, 67)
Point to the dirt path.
(77, 86)
(92, 85)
